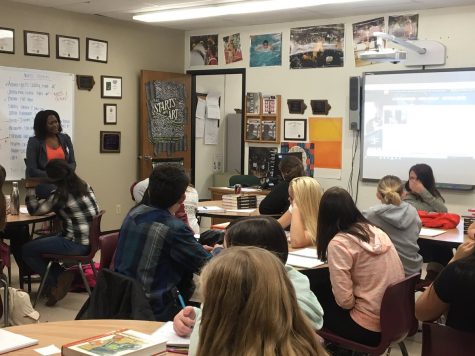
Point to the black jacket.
(116, 296)
(277, 201)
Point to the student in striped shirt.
(74, 204)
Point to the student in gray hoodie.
(399, 220)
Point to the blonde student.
(304, 196)
(399, 220)
(250, 308)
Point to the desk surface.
(22, 218)
(63, 332)
(228, 190)
(452, 236)
(223, 214)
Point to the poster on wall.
(317, 46)
(232, 48)
(266, 50)
(261, 161)
(203, 50)
(326, 133)
(404, 26)
(363, 38)
(308, 154)
(166, 115)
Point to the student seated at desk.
(423, 195)
(453, 292)
(250, 308)
(264, 232)
(304, 196)
(74, 204)
(399, 220)
(156, 248)
(277, 201)
(362, 262)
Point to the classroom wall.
(451, 26)
(132, 47)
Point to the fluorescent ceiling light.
(247, 7)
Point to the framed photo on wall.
(7, 40)
(36, 43)
(96, 50)
(295, 129)
(110, 114)
(110, 142)
(111, 87)
(67, 47)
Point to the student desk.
(452, 237)
(64, 332)
(26, 219)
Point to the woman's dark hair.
(338, 214)
(41, 119)
(259, 231)
(291, 167)
(426, 176)
(66, 181)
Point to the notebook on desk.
(10, 341)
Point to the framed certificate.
(67, 47)
(110, 114)
(96, 50)
(111, 87)
(7, 40)
(36, 43)
(295, 129)
(110, 141)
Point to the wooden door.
(148, 151)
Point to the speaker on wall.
(355, 103)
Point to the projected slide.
(420, 117)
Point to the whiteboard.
(24, 92)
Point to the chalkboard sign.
(24, 92)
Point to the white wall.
(451, 26)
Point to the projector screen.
(414, 117)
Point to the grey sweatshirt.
(403, 225)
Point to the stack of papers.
(304, 258)
(174, 342)
(210, 209)
(431, 232)
(10, 341)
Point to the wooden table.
(230, 215)
(454, 237)
(63, 332)
(218, 192)
(26, 219)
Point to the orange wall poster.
(326, 133)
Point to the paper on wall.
(211, 131)
(212, 106)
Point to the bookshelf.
(263, 117)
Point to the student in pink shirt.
(362, 262)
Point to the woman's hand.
(464, 250)
(184, 321)
(416, 186)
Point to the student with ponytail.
(399, 220)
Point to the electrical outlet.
(118, 209)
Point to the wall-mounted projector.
(419, 52)
(383, 55)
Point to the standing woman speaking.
(48, 143)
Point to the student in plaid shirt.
(75, 204)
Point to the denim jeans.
(57, 244)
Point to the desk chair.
(108, 246)
(244, 180)
(4, 311)
(5, 260)
(397, 319)
(94, 233)
(441, 340)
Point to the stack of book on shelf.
(259, 198)
(253, 103)
(237, 201)
(119, 342)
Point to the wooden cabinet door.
(149, 151)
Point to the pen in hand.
(180, 299)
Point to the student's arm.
(436, 203)
(186, 251)
(71, 157)
(299, 237)
(285, 219)
(184, 321)
(340, 263)
(429, 306)
(32, 152)
(39, 207)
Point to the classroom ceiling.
(125, 9)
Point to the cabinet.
(263, 117)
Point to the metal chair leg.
(84, 280)
(94, 270)
(5, 301)
(42, 284)
(402, 346)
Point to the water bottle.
(15, 200)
